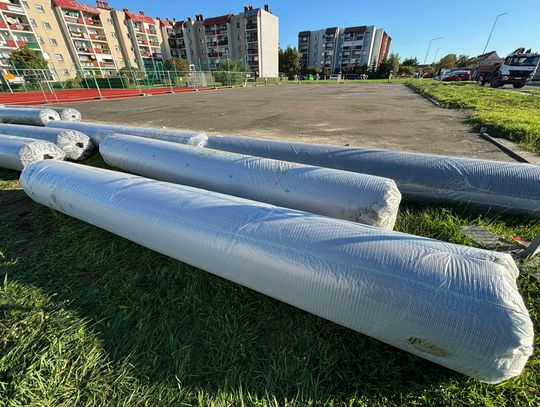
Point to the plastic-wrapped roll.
(501, 186)
(18, 152)
(75, 144)
(454, 305)
(97, 131)
(23, 115)
(339, 194)
(66, 113)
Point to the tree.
(325, 72)
(289, 61)
(177, 64)
(231, 72)
(447, 62)
(464, 61)
(410, 62)
(26, 59)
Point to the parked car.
(457, 76)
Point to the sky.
(465, 25)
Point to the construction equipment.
(517, 69)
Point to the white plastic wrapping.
(18, 152)
(501, 186)
(340, 194)
(76, 145)
(97, 131)
(454, 305)
(66, 113)
(24, 115)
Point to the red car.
(457, 76)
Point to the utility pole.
(429, 47)
(492, 29)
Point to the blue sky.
(464, 24)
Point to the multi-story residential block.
(338, 49)
(16, 30)
(251, 36)
(77, 38)
(86, 37)
(50, 38)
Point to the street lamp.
(436, 52)
(429, 47)
(492, 28)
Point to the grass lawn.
(89, 318)
(512, 115)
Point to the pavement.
(389, 116)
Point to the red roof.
(74, 5)
(139, 17)
(218, 20)
(164, 22)
(179, 24)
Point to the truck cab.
(517, 69)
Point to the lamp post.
(436, 52)
(493, 28)
(429, 47)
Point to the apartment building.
(16, 29)
(98, 40)
(342, 49)
(251, 36)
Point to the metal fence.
(48, 81)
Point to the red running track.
(80, 95)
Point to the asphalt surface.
(389, 116)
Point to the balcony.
(252, 38)
(252, 51)
(20, 27)
(251, 26)
(12, 8)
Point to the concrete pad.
(389, 116)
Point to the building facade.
(78, 38)
(16, 29)
(343, 49)
(251, 36)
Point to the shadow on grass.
(9, 175)
(177, 324)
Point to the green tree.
(410, 62)
(177, 64)
(447, 62)
(289, 61)
(231, 72)
(464, 61)
(25, 59)
(325, 72)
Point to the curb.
(438, 104)
(502, 147)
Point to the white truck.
(517, 69)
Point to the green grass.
(512, 115)
(89, 318)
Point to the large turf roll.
(454, 305)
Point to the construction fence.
(45, 80)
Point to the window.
(25, 4)
(40, 40)
(109, 20)
(33, 22)
(53, 41)
(46, 56)
(65, 71)
(113, 34)
(39, 8)
(59, 57)
(237, 25)
(47, 26)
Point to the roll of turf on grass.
(495, 185)
(97, 131)
(66, 113)
(454, 305)
(18, 152)
(75, 144)
(339, 194)
(29, 116)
